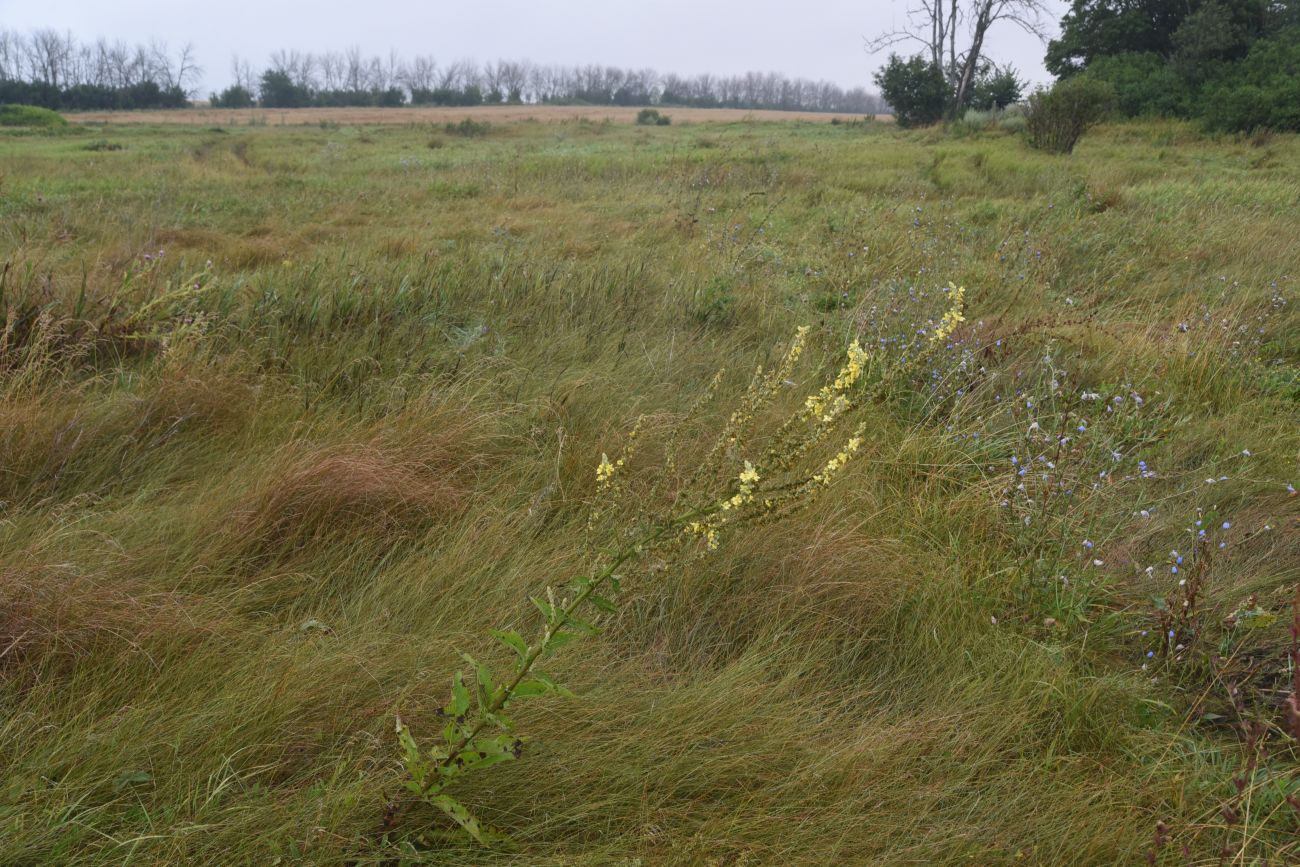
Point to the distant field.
(495, 114)
(292, 416)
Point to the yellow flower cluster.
(744, 495)
(828, 403)
(835, 464)
(745, 491)
(605, 471)
(952, 317)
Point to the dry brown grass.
(52, 615)
(438, 115)
(313, 493)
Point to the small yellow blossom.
(605, 471)
(830, 402)
(952, 317)
(835, 464)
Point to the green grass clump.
(31, 116)
(292, 417)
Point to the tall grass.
(292, 417)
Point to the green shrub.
(468, 128)
(651, 117)
(1057, 118)
(1145, 84)
(30, 115)
(104, 145)
(1013, 119)
(1262, 91)
(915, 89)
(996, 88)
(234, 96)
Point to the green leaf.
(531, 688)
(459, 695)
(411, 752)
(461, 816)
(559, 639)
(583, 625)
(512, 640)
(548, 610)
(602, 603)
(544, 678)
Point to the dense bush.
(1262, 91)
(30, 115)
(915, 88)
(233, 97)
(996, 89)
(1056, 118)
(651, 117)
(1232, 63)
(468, 128)
(1144, 84)
(92, 97)
(278, 90)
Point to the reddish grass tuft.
(317, 493)
(53, 616)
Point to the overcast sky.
(820, 39)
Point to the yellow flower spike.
(828, 403)
(952, 317)
(605, 471)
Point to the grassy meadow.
(291, 416)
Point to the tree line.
(55, 70)
(294, 79)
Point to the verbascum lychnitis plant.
(737, 483)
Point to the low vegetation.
(31, 116)
(296, 420)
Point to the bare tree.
(48, 53)
(242, 72)
(11, 55)
(420, 74)
(935, 25)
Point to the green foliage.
(915, 89)
(714, 302)
(1055, 119)
(31, 116)
(1262, 91)
(652, 117)
(278, 90)
(234, 96)
(1098, 28)
(1144, 84)
(104, 145)
(468, 128)
(1228, 62)
(996, 88)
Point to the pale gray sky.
(819, 39)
